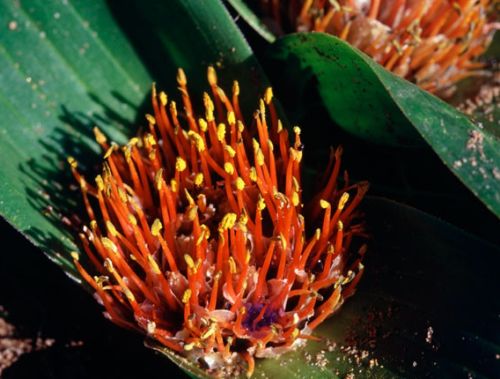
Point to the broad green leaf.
(372, 103)
(66, 66)
(426, 307)
(347, 82)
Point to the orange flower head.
(433, 43)
(198, 236)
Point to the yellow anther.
(134, 141)
(296, 318)
(150, 119)
(152, 155)
(270, 144)
(209, 107)
(253, 174)
(150, 139)
(340, 225)
(243, 219)
(132, 219)
(173, 108)
(201, 238)
(330, 249)
(127, 152)
(209, 332)
(231, 118)
(189, 261)
(324, 204)
(212, 76)
(236, 88)
(198, 179)
(93, 224)
(180, 164)
(109, 152)
(230, 151)
(72, 162)
(283, 241)
(205, 230)
(185, 298)
(108, 264)
(343, 200)
(255, 144)
(227, 221)
(159, 179)
(99, 136)
(336, 5)
(108, 244)
(130, 296)
(241, 127)
(295, 333)
(83, 184)
(181, 77)
(280, 126)
(260, 158)
(229, 168)
(295, 199)
(156, 228)
(221, 132)
(203, 125)
(240, 184)
(232, 265)
(189, 198)
(261, 204)
(111, 228)
(198, 141)
(75, 255)
(101, 281)
(317, 234)
(122, 195)
(192, 213)
(268, 95)
(296, 130)
(189, 346)
(173, 185)
(154, 266)
(163, 98)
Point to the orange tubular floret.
(197, 229)
(389, 30)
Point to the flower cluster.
(433, 43)
(198, 236)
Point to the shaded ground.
(44, 305)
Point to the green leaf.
(67, 66)
(426, 307)
(348, 85)
(370, 102)
(252, 19)
(477, 96)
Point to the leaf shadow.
(56, 193)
